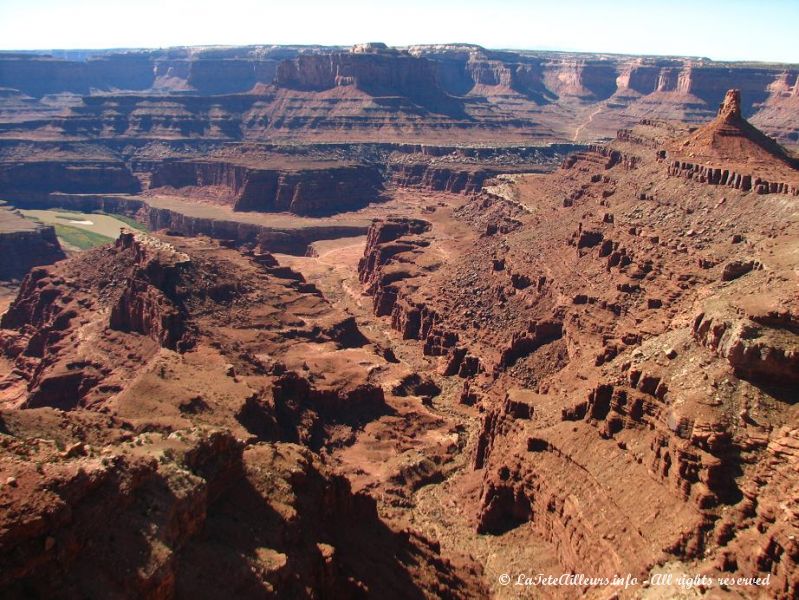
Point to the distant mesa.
(373, 48)
(370, 91)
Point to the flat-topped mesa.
(373, 72)
(730, 108)
(373, 48)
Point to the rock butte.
(429, 342)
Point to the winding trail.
(594, 113)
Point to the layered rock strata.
(24, 244)
(315, 190)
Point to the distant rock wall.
(275, 239)
(311, 191)
(444, 178)
(383, 73)
(22, 250)
(239, 93)
(89, 177)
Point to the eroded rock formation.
(542, 366)
(165, 384)
(306, 190)
(457, 90)
(639, 333)
(24, 244)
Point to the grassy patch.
(80, 238)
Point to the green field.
(80, 238)
(80, 231)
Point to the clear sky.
(765, 30)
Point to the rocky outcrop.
(767, 542)
(149, 303)
(764, 352)
(141, 294)
(385, 268)
(25, 244)
(522, 78)
(312, 190)
(303, 412)
(726, 176)
(604, 156)
(31, 331)
(380, 249)
(525, 343)
(53, 552)
(181, 497)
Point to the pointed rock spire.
(730, 109)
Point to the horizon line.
(399, 46)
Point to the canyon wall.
(276, 239)
(625, 271)
(289, 240)
(310, 190)
(440, 177)
(381, 71)
(204, 70)
(23, 249)
(372, 91)
(39, 177)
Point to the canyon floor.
(402, 370)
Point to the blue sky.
(763, 30)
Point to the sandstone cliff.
(24, 244)
(314, 189)
(459, 91)
(37, 178)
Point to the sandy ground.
(10, 220)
